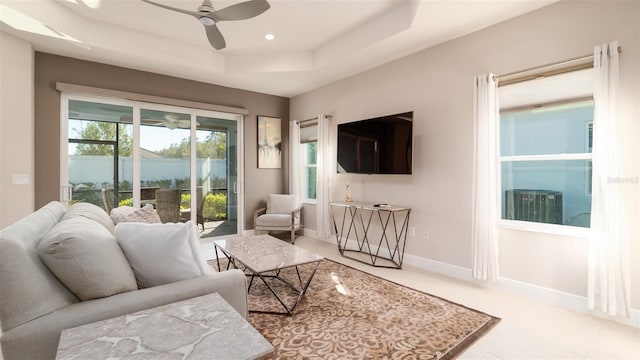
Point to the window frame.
(137, 105)
(530, 226)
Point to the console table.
(381, 247)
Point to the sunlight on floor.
(341, 289)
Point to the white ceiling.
(317, 41)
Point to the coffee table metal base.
(301, 290)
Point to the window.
(309, 151)
(545, 153)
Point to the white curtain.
(609, 284)
(324, 170)
(485, 179)
(294, 159)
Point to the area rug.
(349, 314)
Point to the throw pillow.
(86, 258)
(120, 213)
(280, 204)
(162, 253)
(90, 211)
(146, 214)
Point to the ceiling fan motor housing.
(206, 7)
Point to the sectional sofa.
(36, 303)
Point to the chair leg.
(293, 237)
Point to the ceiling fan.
(209, 16)
(171, 122)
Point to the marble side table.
(205, 327)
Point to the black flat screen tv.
(381, 145)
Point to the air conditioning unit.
(543, 206)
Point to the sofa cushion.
(281, 204)
(146, 214)
(162, 253)
(28, 289)
(87, 259)
(90, 211)
(275, 220)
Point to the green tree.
(96, 130)
(180, 151)
(213, 146)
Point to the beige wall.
(437, 84)
(16, 128)
(50, 69)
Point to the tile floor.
(528, 330)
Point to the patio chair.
(168, 205)
(107, 195)
(283, 213)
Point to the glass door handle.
(235, 187)
(65, 193)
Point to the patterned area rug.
(349, 314)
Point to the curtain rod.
(118, 94)
(312, 119)
(563, 62)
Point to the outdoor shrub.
(126, 202)
(215, 206)
(185, 201)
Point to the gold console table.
(382, 249)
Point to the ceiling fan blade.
(192, 13)
(241, 11)
(215, 37)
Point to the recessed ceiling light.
(269, 37)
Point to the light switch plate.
(20, 179)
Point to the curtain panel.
(324, 171)
(295, 187)
(609, 284)
(485, 179)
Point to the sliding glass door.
(217, 171)
(185, 162)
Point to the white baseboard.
(530, 291)
(309, 233)
(250, 232)
(454, 271)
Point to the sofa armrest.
(38, 339)
(297, 213)
(257, 213)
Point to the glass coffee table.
(265, 257)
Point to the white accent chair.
(283, 213)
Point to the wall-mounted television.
(379, 145)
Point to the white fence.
(98, 169)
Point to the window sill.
(552, 229)
(309, 201)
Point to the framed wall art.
(269, 143)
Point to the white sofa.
(35, 306)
